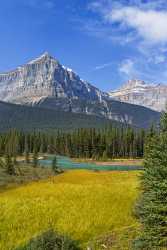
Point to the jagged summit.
(46, 53)
(44, 77)
(138, 92)
(45, 56)
(133, 84)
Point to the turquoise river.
(66, 163)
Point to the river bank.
(111, 162)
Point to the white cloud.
(137, 68)
(159, 59)
(127, 67)
(150, 25)
(140, 27)
(143, 20)
(103, 66)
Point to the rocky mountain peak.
(45, 57)
(44, 82)
(138, 92)
(44, 77)
(134, 83)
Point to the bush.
(50, 240)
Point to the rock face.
(41, 78)
(44, 82)
(153, 96)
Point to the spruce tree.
(26, 151)
(104, 157)
(35, 158)
(27, 158)
(15, 160)
(10, 169)
(152, 208)
(54, 165)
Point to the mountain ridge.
(44, 82)
(46, 73)
(153, 96)
(28, 118)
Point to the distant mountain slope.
(38, 118)
(30, 118)
(135, 115)
(153, 96)
(44, 82)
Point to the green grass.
(88, 206)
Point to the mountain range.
(153, 96)
(45, 83)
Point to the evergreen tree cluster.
(111, 142)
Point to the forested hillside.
(126, 113)
(28, 118)
(34, 118)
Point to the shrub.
(50, 240)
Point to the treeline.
(101, 144)
(111, 142)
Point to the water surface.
(64, 162)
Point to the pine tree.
(104, 157)
(27, 157)
(54, 165)
(152, 208)
(26, 151)
(10, 169)
(15, 160)
(35, 157)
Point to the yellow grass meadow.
(83, 204)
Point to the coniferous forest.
(108, 143)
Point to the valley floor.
(89, 206)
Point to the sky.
(107, 42)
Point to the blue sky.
(106, 42)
